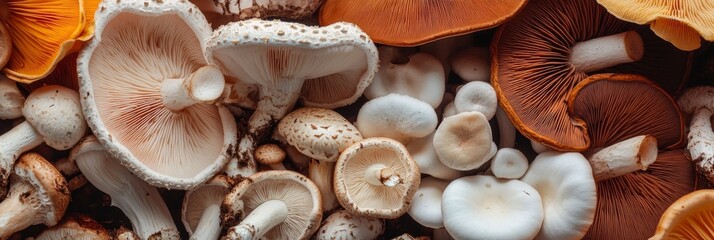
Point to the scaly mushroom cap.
(610, 108)
(55, 112)
(76, 226)
(42, 33)
(197, 200)
(50, 188)
(679, 22)
(532, 73)
(5, 45)
(629, 206)
(343, 225)
(690, 217)
(297, 192)
(318, 133)
(400, 23)
(137, 45)
(399, 176)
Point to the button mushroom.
(396, 116)
(200, 210)
(343, 225)
(509, 163)
(472, 64)
(75, 226)
(476, 97)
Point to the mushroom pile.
(347, 119)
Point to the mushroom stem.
(15, 214)
(11, 100)
(263, 218)
(203, 86)
(700, 142)
(380, 175)
(321, 173)
(19, 139)
(604, 52)
(209, 226)
(627, 156)
(506, 130)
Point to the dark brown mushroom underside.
(532, 73)
(405, 23)
(615, 107)
(629, 206)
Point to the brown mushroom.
(75, 226)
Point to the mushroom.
(343, 225)
(394, 23)
(496, 209)
(53, 116)
(443, 48)
(463, 141)
(75, 226)
(535, 64)
(139, 201)
(680, 23)
(271, 155)
(273, 204)
(5, 45)
(566, 185)
(321, 173)
(538, 147)
(506, 130)
(509, 163)
(148, 92)
(233, 10)
(11, 99)
(201, 208)
(38, 195)
(426, 204)
(64, 74)
(476, 97)
(420, 76)
(396, 116)
(472, 64)
(624, 157)
(124, 234)
(688, 218)
(423, 153)
(376, 177)
(327, 67)
(699, 102)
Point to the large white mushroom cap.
(396, 116)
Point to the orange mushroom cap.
(690, 217)
(410, 23)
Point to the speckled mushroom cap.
(343, 225)
(300, 195)
(318, 133)
(49, 184)
(197, 200)
(55, 112)
(75, 226)
(138, 44)
(364, 198)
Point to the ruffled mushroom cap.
(533, 75)
(400, 23)
(75, 226)
(64, 74)
(376, 177)
(139, 47)
(318, 133)
(690, 217)
(679, 22)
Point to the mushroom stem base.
(700, 142)
(604, 52)
(209, 226)
(263, 218)
(627, 156)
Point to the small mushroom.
(699, 102)
(472, 64)
(476, 97)
(201, 208)
(271, 155)
(75, 226)
(426, 204)
(624, 157)
(376, 177)
(423, 153)
(11, 99)
(690, 217)
(38, 195)
(396, 116)
(139, 201)
(509, 163)
(464, 142)
(484, 207)
(273, 204)
(343, 225)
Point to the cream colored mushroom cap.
(463, 141)
(55, 112)
(343, 225)
(269, 154)
(318, 133)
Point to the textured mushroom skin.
(699, 101)
(318, 133)
(343, 225)
(290, 9)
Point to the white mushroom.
(201, 208)
(472, 64)
(11, 100)
(627, 156)
(421, 77)
(478, 97)
(397, 117)
(343, 225)
(539, 147)
(463, 141)
(426, 204)
(509, 163)
(699, 102)
(423, 153)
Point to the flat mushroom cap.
(566, 185)
(426, 204)
(532, 73)
(137, 45)
(679, 22)
(318, 133)
(614, 107)
(343, 225)
(75, 226)
(690, 217)
(337, 62)
(463, 141)
(396, 116)
(55, 112)
(198, 199)
(300, 195)
(5, 45)
(363, 198)
(50, 186)
(400, 23)
(638, 199)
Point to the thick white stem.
(603, 52)
(203, 86)
(209, 226)
(11, 100)
(506, 130)
(321, 173)
(700, 142)
(14, 214)
(380, 175)
(263, 218)
(627, 156)
(18, 140)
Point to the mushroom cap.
(476, 96)
(64, 74)
(566, 185)
(695, 98)
(137, 45)
(396, 116)
(300, 195)
(318, 133)
(269, 154)
(463, 141)
(532, 74)
(343, 225)
(611, 108)
(5, 45)
(337, 62)
(55, 112)
(362, 198)
(423, 153)
(688, 218)
(398, 23)
(426, 204)
(198, 199)
(50, 186)
(484, 207)
(641, 197)
(680, 22)
(240, 10)
(509, 163)
(76, 226)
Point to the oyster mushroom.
(201, 208)
(464, 142)
(423, 153)
(148, 92)
(326, 67)
(343, 225)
